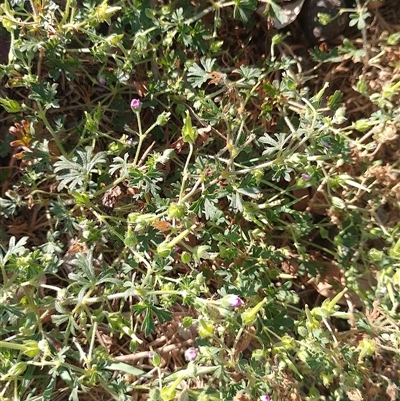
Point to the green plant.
(171, 193)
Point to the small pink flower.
(101, 81)
(233, 301)
(190, 354)
(265, 398)
(136, 104)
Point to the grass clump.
(195, 207)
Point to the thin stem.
(42, 116)
(92, 341)
(210, 9)
(185, 174)
(66, 11)
(141, 138)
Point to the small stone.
(314, 30)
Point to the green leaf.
(319, 55)
(249, 74)
(124, 367)
(44, 93)
(76, 172)
(252, 192)
(197, 206)
(236, 202)
(244, 9)
(13, 249)
(148, 326)
(210, 210)
(359, 18)
(7, 207)
(197, 76)
(162, 314)
(200, 371)
(48, 393)
(146, 181)
(277, 144)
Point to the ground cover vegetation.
(197, 206)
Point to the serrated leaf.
(45, 93)
(162, 314)
(274, 144)
(210, 211)
(249, 74)
(244, 8)
(197, 75)
(77, 171)
(148, 326)
(7, 207)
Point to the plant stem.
(42, 116)
(185, 174)
(141, 138)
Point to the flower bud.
(189, 133)
(155, 358)
(164, 249)
(163, 118)
(206, 329)
(250, 316)
(231, 301)
(136, 104)
(176, 211)
(186, 257)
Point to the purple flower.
(265, 398)
(102, 81)
(233, 301)
(155, 358)
(190, 354)
(305, 176)
(136, 104)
